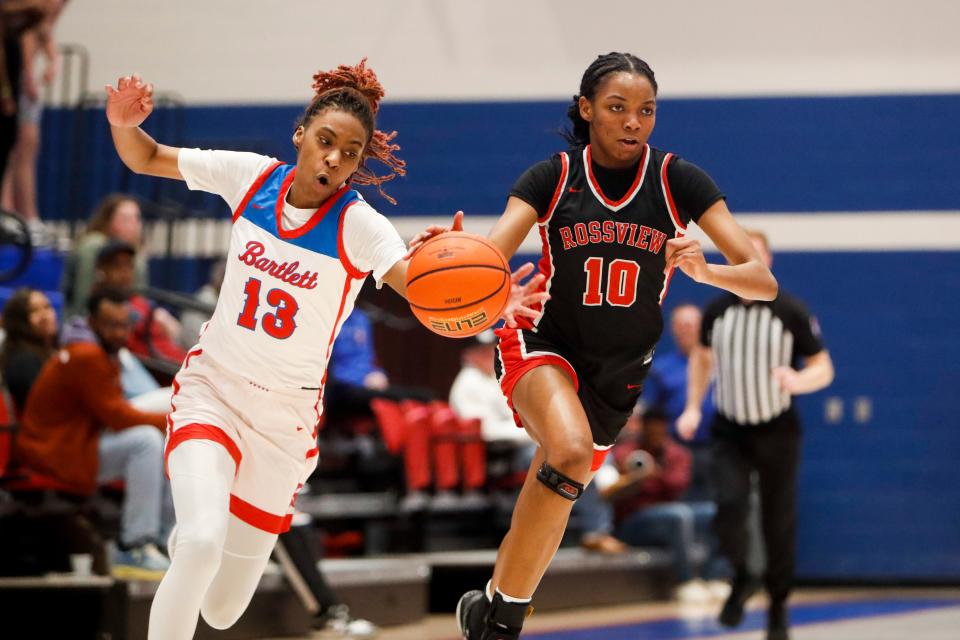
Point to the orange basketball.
(458, 284)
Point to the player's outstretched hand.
(687, 423)
(524, 296)
(130, 103)
(434, 230)
(687, 254)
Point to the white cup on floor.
(81, 564)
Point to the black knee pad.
(559, 483)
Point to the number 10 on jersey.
(278, 323)
(621, 282)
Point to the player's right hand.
(687, 423)
(431, 231)
(130, 103)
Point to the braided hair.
(579, 134)
(357, 91)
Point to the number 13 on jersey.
(621, 282)
(278, 323)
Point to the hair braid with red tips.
(357, 91)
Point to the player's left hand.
(687, 254)
(524, 296)
(788, 378)
(431, 231)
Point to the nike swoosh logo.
(299, 428)
(572, 190)
(634, 386)
(256, 206)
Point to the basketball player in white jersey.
(242, 429)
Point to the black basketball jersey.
(604, 259)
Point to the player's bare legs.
(547, 402)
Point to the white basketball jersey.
(286, 292)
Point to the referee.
(752, 347)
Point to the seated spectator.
(117, 218)
(30, 322)
(666, 387)
(154, 329)
(476, 394)
(191, 320)
(78, 428)
(650, 475)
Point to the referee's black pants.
(772, 449)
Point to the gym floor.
(816, 614)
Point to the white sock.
(507, 598)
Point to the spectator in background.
(117, 218)
(476, 394)
(19, 180)
(666, 388)
(191, 320)
(78, 428)
(16, 18)
(30, 323)
(154, 330)
(650, 475)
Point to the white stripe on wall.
(807, 232)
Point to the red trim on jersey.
(313, 452)
(201, 432)
(314, 219)
(256, 517)
(630, 192)
(561, 183)
(671, 205)
(253, 189)
(333, 335)
(545, 266)
(599, 455)
(341, 250)
(176, 385)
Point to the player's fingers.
(526, 311)
(457, 221)
(110, 90)
(522, 272)
(533, 283)
(508, 318)
(123, 82)
(149, 90)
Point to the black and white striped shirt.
(749, 341)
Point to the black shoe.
(743, 587)
(471, 614)
(778, 623)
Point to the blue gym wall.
(878, 499)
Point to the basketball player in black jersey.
(612, 212)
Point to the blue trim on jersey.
(261, 210)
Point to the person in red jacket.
(78, 428)
(654, 472)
